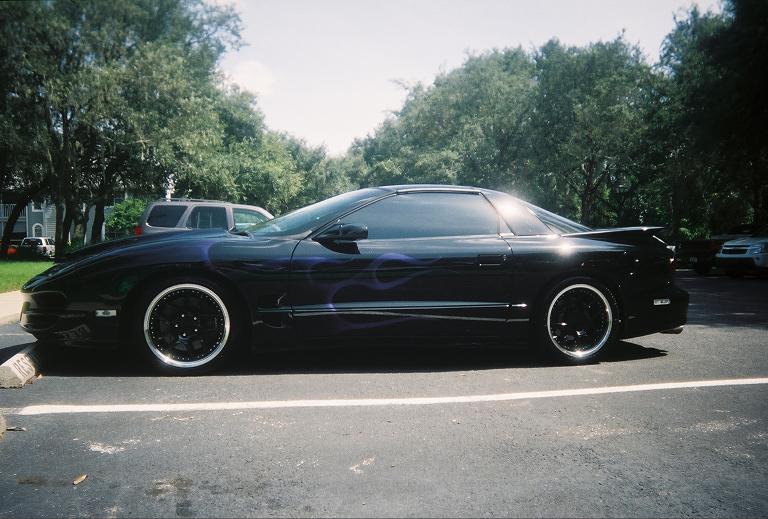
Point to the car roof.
(404, 188)
(192, 201)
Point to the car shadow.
(402, 358)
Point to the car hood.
(122, 243)
(750, 240)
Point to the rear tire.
(577, 321)
(187, 326)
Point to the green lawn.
(13, 274)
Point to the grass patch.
(13, 274)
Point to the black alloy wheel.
(187, 327)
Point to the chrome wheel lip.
(177, 363)
(581, 354)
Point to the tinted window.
(420, 215)
(208, 218)
(244, 217)
(165, 215)
(30, 242)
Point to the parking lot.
(664, 425)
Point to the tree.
(125, 216)
(585, 129)
(468, 127)
(730, 108)
(110, 82)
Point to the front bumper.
(743, 262)
(48, 315)
(653, 312)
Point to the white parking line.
(373, 402)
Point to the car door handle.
(491, 260)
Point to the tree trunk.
(758, 202)
(80, 219)
(13, 218)
(587, 202)
(66, 223)
(98, 221)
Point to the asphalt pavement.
(664, 425)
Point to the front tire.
(187, 327)
(577, 321)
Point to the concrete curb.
(16, 371)
(2, 426)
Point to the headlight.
(760, 248)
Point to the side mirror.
(343, 233)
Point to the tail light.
(137, 230)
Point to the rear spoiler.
(619, 234)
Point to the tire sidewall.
(147, 356)
(541, 332)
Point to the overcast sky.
(327, 70)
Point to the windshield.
(313, 216)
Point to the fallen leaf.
(79, 479)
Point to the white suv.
(745, 255)
(178, 214)
(38, 246)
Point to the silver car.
(177, 214)
(745, 255)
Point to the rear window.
(558, 223)
(165, 215)
(32, 241)
(208, 218)
(521, 219)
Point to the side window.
(165, 215)
(421, 215)
(203, 217)
(243, 217)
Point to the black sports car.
(389, 261)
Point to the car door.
(431, 263)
